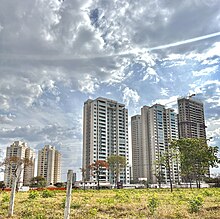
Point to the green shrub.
(122, 197)
(33, 195)
(63, 202)
(195, 204)
(207, 193)
(48, 194)
(93, 211)
(75, 205)
(153, 204)
(5, 198)
(40, 216)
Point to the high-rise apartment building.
(137, 150)
(105, 133)
(29, 170)
(191, 118)
(21, 151)
(151, 133)
(49, 164)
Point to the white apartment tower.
(151, 133)
(20, 150)
(105, 133)
(49, 164)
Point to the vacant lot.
(143, 203)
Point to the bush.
(48, 194)
(207, 193)
(33, 195)
(153, 205)
(195, 204)
(75, 205)
(5, 198)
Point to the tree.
(2, 185)
(116, 163)
(196, 157)
(15, 165)
(158, 171)
(97, 168)
(39, 182)
(168, 158)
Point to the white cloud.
(50, 86)
(170, 102)
(49, 133)
(6, 118)
(205, 71)
(174, 63)
(209, 53)
(4, 102)
(151, 75)
(164, 91)
(88, 84)
(130, 96)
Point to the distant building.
(151, 133)
(139, 163)
(22, 151)
(49, 164)
(105, 133)
(74, 178)
(191, 119)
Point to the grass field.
(136, 203)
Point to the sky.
(56, 54)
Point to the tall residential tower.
(21, 151)
(191, 118)
(151, 133)
(105, 133)
(49, 164)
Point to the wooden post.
(13, 189)
(12, 197)
(68, 194)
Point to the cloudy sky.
(56, 54)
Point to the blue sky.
(54, 55)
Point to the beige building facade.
(152, 132)
(105, 133)
(49, 164)
(191, 118)
(20, 150)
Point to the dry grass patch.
(111, 204)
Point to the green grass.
(139, 203)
